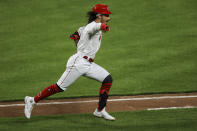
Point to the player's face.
(105, 18)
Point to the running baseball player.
(88, 41)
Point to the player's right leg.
(103, 96)
(100, 74)
(68, 77)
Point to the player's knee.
(108, 79)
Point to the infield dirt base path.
(88, 105)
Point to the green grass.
(151, 47)
(163, 120)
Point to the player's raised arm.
(93, 28)
(97, 15)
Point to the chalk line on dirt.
(166, 108)
(109, 100)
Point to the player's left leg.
(67, 78)
(100, 74)
(30, 102)
(48, 91)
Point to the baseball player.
(88, 41)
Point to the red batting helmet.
(101, 9)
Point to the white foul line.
(165, 108)
(110, 100)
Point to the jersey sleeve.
(92, 28)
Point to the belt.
(90, 59)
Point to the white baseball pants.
(78, 66)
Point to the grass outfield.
(151, 47)
(163, 120)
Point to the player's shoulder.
(80, 30)
(90, 26)
(93, 23)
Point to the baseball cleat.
(103, 114)
(29, 104)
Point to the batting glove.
(104, 27)
(75, 36)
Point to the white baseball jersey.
(88, 45)
(90, 39)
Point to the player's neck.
(98, 20)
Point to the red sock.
(104, 92)
(48, 91)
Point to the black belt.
(90, 59)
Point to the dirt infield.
(115, 103)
